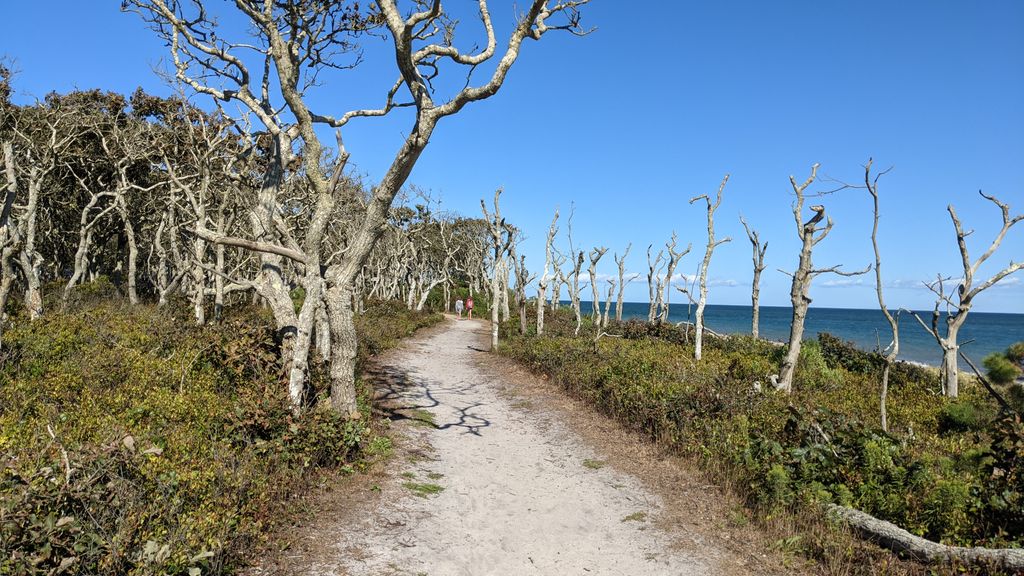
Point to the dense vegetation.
(949, 470)
(135, 442)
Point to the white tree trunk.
(698, 340)
(343, 350)
(950, 367)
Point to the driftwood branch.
(894, 538)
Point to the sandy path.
(521, 493)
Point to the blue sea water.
(983, 332)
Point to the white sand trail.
(521, 494)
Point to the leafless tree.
(755, 290)
(965, 293)
(9, 236)
(545, 279)
(523, 278)
(100, 204)
(503, 294)
(890, 352)
(296, 41)
(502, 235)
(608, 304)
(558, 279)
(690, 302)
(703, 274)
(572, 279)
(810, 234)
(623, 281)
(201, 154)
(37, 139)
(654, 268)
(18, 235)
(443, 274)
(664, 288)
(170, 267)
(595, 257)
(573, 282)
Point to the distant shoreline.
(867, 328)
(783, 343)
(675, 305)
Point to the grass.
(379, 447)
(421, 417)
(423, 489)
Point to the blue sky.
(656, 105)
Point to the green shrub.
(822, 443)
(1003, 480)
(1015, 397)
(813, 371)
(841, 354)
(137, 443)
(1015, 354)
(960, 416)
(1000, 369)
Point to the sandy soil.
(496, 472)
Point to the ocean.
(982, 334)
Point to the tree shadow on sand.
(398, 395)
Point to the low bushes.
(136, 443)
(950, 471)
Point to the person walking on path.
(469, 307)
(459, 307)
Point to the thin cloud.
(683, 281)
(843, 282)
(950, 284)
(904, 284)
(1011, 282)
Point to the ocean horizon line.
(673, 305)
(868, 330)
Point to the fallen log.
(891, 536)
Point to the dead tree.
(502, 235)
(17, 236)
(558, 279)
(664, 288)
(296, 41)
(966, 292)
(595, 257)
(504, 293)
(523, 277)
(810, 234)
(688, 292)
(442, 273)
(9, 237)
(573, 281)
(608, 304)
(95, 210)
(30, 160)
(654, 268)
(712, 244)
(623, 281)
(755, 290)
(542, 284)
(890, 352)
